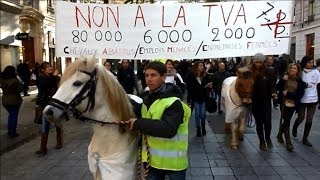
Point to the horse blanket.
(117, 166)
(230, 100)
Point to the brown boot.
(289, 145)
(43, 144)
(307, 128)
(59, 131)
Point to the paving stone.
(249, 177)
(224, 178)
(201, 172)
(199, 163)
(308, 170)
(198, 156)
(69, 162)
(312, 177)
(196, 150)
(314, 163)
(243, 171)
(239, 163)
(222, 163)
(286, 170)
(57, 171)
(259, 163)
(82, 163)
(298, 163)
(202, 178)
(234, 155)
(222, 171)
(216, 156)
(262, 171)
(292, 177)
(271, 177)
(277, 162)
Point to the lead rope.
(139, 164)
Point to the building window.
(49, 3)
(311, 7)
(310, 45)
(293, 48)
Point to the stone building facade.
(305, 38)
(27, 31)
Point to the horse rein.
(90, 87)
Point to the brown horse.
(236, 97)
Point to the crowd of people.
(278, 82)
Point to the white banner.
(176, 31)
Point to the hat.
(305, 60)
(259, 57)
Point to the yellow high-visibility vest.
(167, 153)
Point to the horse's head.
(244, 85)
(86, 88)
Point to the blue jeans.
(199, 112)
(13, 111)
(45, 127)
(159, 174)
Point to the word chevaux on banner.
(152, 31)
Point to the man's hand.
(131, 122)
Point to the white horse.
(94, 94)
(236, 96)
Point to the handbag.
(38, 115)
(211, 104)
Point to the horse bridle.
(88, 91)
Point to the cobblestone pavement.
(210, 157)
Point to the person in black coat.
(198, 86)
(24, 73)
(126, 77)
(263, 90)
(291, 90)
(218, 78)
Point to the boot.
(269, 144)
(295, 129)
(203, 126)
(306, 132)
(279, 136)
(199, 132)
(263, 146)
(289, 145)
(59, 131)
(43, 144)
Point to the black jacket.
(263, 88)
(196, 91)
(218, 78)
(47, 87)
(297, 95)
(126, 79)
(172, 117)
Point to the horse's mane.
(114, 94)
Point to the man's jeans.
(159, 174)
(13, 111)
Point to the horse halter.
(88, 91)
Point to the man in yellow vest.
(165, 125)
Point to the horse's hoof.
(235, 147)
